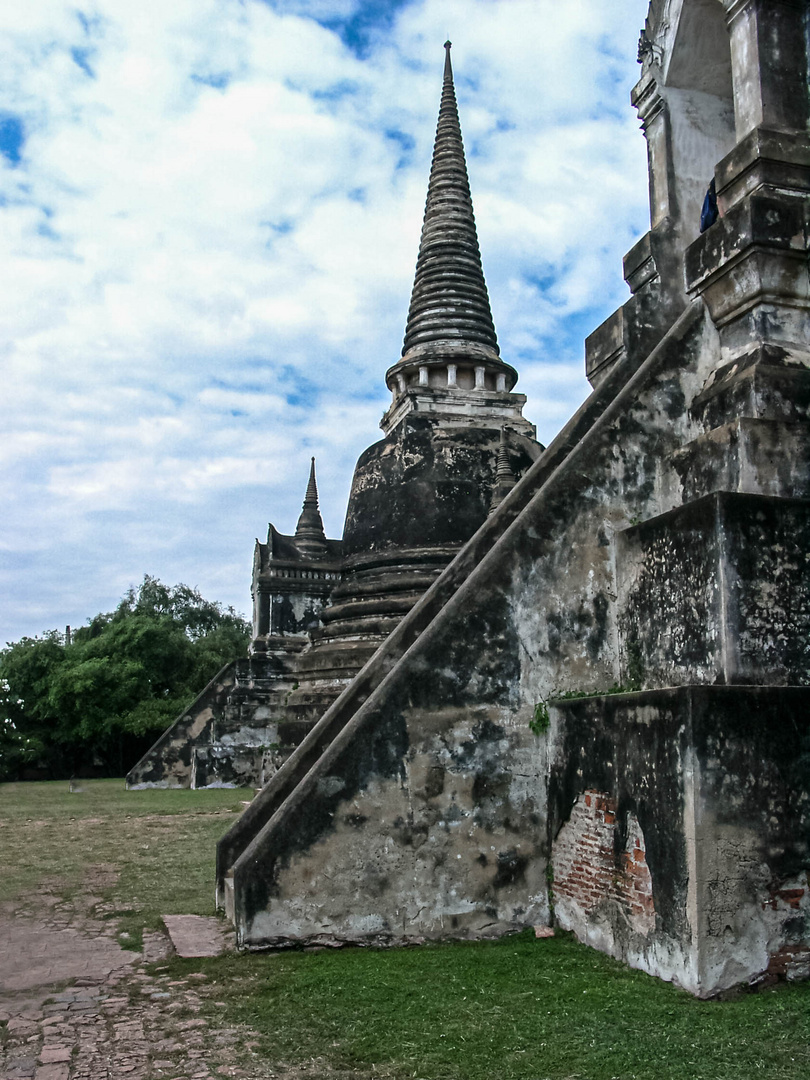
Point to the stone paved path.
(75, 1006)
(33, 955)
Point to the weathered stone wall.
(563, 572)
(231, 735)
(410, 834)
(423, 827)
(752, 833)
(293, 613)
(632, 749)
(718, 591)
(717, 782)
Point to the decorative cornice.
(647, 99)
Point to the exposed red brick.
(789, 962)
(791, 897)
(586, 869)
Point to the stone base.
(679, 822)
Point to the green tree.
(101, 700)
(18, 748)
(26, 729)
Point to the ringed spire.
(310, 537)
(449, 318)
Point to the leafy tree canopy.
(99, 700)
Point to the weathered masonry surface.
(600, 862)
(714, 781)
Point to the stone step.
(199, 935)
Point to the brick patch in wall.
(589, 870)
(791, 962)
(792, 898)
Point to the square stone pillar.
(652, 111)
(751, 266)
(769, 64)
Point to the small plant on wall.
(540, 721)
(635, 666)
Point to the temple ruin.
(589, 707)
(454, 442)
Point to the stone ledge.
(198, 935)
(755, 258)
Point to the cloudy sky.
(209, 217)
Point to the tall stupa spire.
(449, 298)
(450, 339)
(310, 537)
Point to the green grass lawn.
(517, 1009)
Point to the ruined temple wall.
(680, 820)
(259, 814)
(227, 737)
(652, 566)
(565, 570)
(409, 833)
(537, 615)
(718, 591)
(293, 613)
(436, 810)
(620, 799)
(752, 834)
(169, 763)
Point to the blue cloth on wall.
(708, 215)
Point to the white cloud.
(210, 238)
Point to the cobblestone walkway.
(75, 1006)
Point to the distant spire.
(449, 303)
(310, 539)
(504, 477)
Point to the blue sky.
(210, 211)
